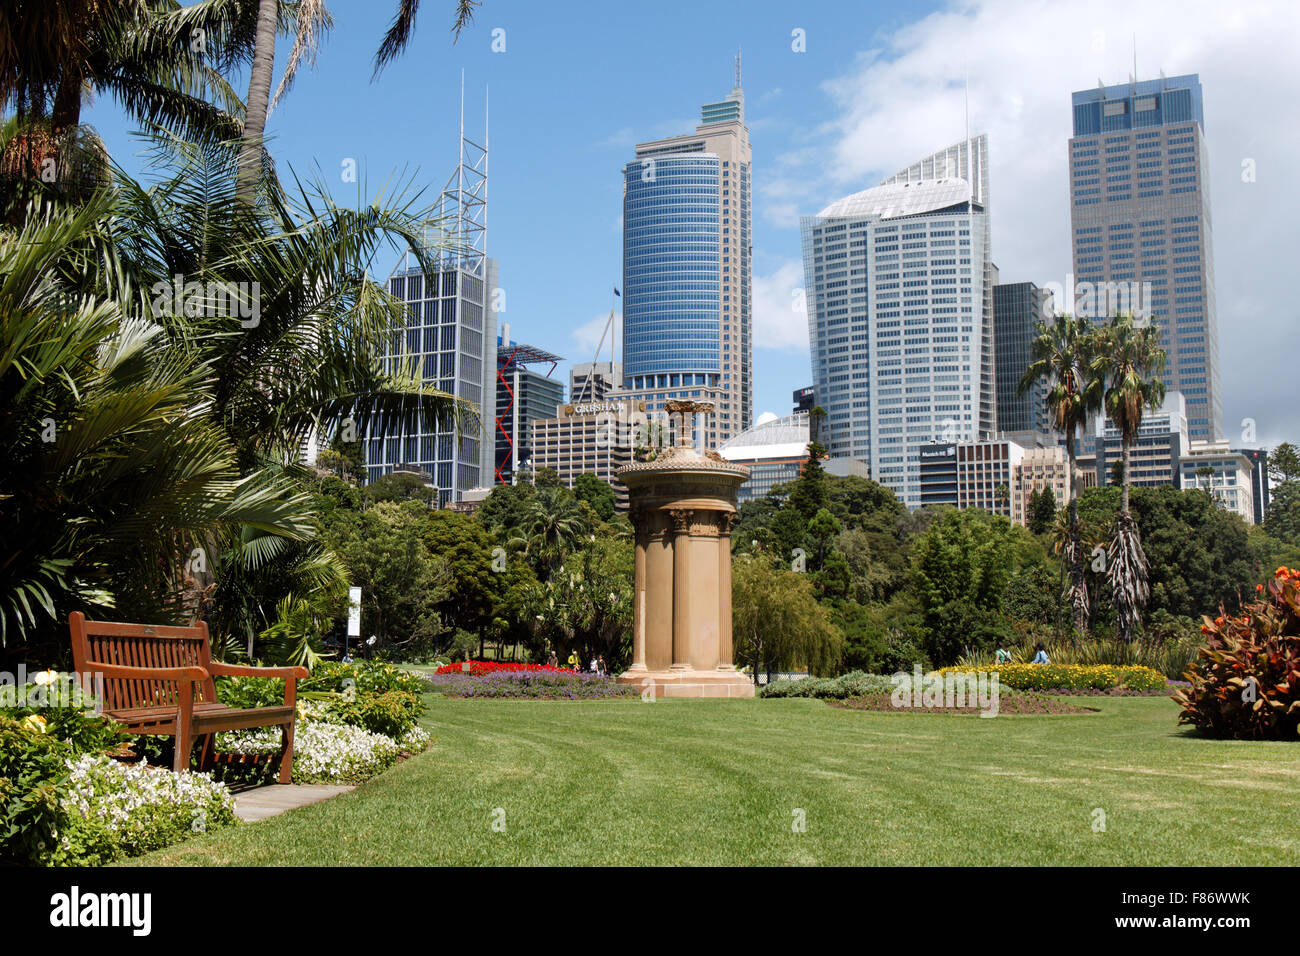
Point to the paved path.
(259, 803)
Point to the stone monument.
(683, 505)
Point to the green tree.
(553, 522)
(475, 580)
(1129, 359)
(586, 603)
(1283, 521)
(822, 528)
(596, 493)
(59, 53)
(402, 583)
(777, 621)
(1042, 510)
(808, 491)
(960, 568)
(1284, 463)
(1063, 353)
(309, 21)
(547, 477)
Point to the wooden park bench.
(158, 680)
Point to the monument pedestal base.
(679, 683)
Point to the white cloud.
(780, 321)
(904, 99)
(586, 337)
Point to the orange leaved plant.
(1246, 682)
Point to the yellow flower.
(35, 723)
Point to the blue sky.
(879, 85)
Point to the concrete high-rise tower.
(687, 279)
(1140, 215)
(899, 286)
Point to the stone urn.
(682, 507)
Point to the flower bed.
(479, 668)
(130, 809)
(544, 684)
(327, 752)
(1048, 677)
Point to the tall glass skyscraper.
(900, 314)
(450, 339)
(1017, 308)
(1140, 213)
(687, 282)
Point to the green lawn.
(717, 782)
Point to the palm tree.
(305, 355)
(553, 522)
(305, 359)
(143, 53)
(1002, 495)
(1129, 360)
(1062, 355)
(114, 469)
(310, 21)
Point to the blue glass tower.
(687, 281)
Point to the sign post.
(354, 617)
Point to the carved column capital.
(680, 519)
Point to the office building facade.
(1154, 457)
(1018, 307)
(589, 438)
(1225, 474)
(687, 282)
(450, 339)
(523, 396)
(1039, 469)
(1141, 226)
(594, 381)
(900, 314)
(1258, 480)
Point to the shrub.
(327, 677)
(852, 684)
(1246, 682)
(1046, 677)
(31, 765)
(58, 706)
(393, 713)
(61, 808)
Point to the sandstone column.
(683, 507)
(682, 622)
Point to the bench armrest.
(218, 669)
(291, 676)
(190, 674)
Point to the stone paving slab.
(258, 803)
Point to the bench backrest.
(140, 645)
